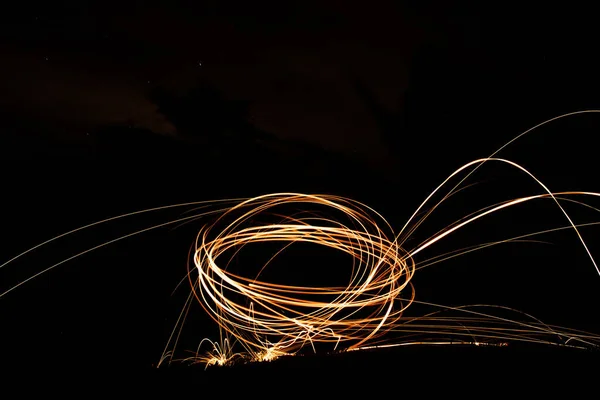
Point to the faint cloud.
(66, 90)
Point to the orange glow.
(269, 320)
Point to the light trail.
(268, 320)
(364, 311)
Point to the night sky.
(114, 106)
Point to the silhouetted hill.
(391, 372)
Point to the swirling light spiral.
(250, 309)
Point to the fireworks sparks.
(267, 320)
(381, 272)
(251, 310)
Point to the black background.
(479, 78)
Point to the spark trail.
(267, 320)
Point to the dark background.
(111, 107)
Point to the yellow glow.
(269, 320)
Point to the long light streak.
(269, 320)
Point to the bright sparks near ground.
(261, 320)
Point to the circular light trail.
(252, 310)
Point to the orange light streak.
(270, 320)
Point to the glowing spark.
(271, 320)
